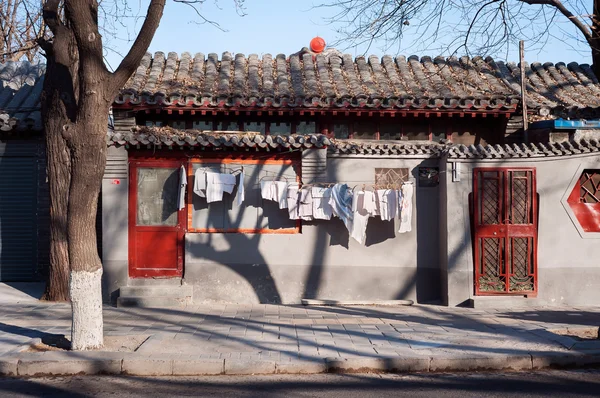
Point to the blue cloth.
(341, 203)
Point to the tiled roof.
(19, 96)
(149, 137)
(167, 136)
(339, 81)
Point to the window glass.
(365, 131)
(176, 124)
(202, 125)
(390, 131)
(341, 130)
(157, 190)
(228, 126)
(259, 127)
(306, 128)
(280, 128)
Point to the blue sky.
(278, 26)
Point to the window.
(584, 200)
(202, 125)
(365, 131)
(257, 127)
(280, 128)
(390, 131)
(341, 130)
(228, 126)
(306, 128)
(254, 215)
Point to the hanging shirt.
(216, 184)
(341, 204)
(406, 215)
(241, 193)
(360, 217)
(370, 203)
(182, 186)
(200, 183)
(281, 193)
(293, 200)
(387, 201)
(268, 190)
(321, 208)
(305, 207)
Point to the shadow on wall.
(423, 276)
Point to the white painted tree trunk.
(86, 301)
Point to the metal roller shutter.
(18, 218)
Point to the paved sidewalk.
(241, 339)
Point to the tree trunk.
(57, 111)
(595, 40)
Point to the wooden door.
(156, 226)
(505, 226)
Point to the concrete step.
(181, 291)
(150, 302)
(503, 302)
(154, 282)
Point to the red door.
(156, 226)
(505, 226)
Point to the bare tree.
(78, 92)
(483, 26)
(21, 24)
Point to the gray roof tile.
(21, 85)
(339, 81)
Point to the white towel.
(182, 186)
(268, 190)
(200, 183)
(406, 215)
(216, 184)
(360, 219)
(305, 208)
(322, 209)
(281, 193)
(387, 203)
(241, 193)
(293, 200)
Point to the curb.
(92, 363)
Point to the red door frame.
(505, 229)
(134, 272)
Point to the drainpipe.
(523, 90)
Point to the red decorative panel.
(585, 200)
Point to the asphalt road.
(580, 383)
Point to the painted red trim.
(236, 160)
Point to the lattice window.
(390, 177)
(589, 186)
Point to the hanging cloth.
(216, 184)
(305, 208)
(200, 183)
(182, 186)
(341, 204)
(387, 201)
(241, 193)
(293, 200)
(406, 215)
(360, 217)
(321, 208)
(281, 193)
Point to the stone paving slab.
(291, 339)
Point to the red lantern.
(317, 45)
